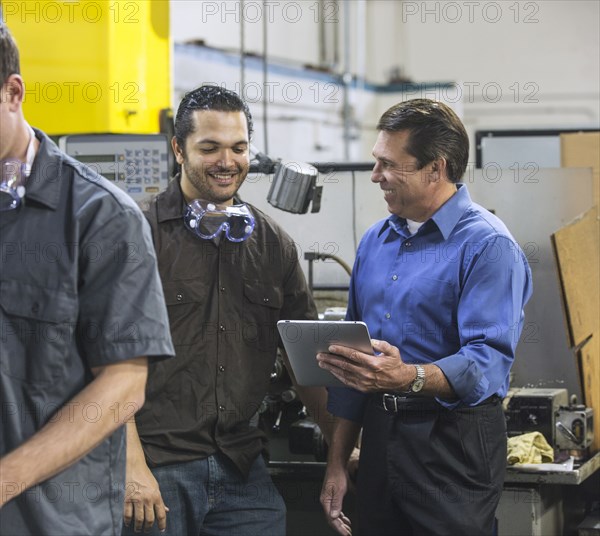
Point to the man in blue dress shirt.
(441, 283)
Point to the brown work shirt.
(223, 301)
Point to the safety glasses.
(207, 220)
(12, 190)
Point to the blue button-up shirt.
(451, 294)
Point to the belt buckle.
(394, 399)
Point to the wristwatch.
(418, 383)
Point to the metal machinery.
(106, 107)
(566, 427)
(137, 163)
(78, 80)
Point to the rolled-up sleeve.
(490, 317)
(346, 403)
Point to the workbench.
(543, 503)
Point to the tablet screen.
(304, 339)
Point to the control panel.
(136, 163)
(534, 410)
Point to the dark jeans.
(210, 497)
(426, 470)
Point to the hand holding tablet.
(304, 339)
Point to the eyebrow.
(215, 142)
(382, 159)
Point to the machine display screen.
(92, 158)
(133, 162)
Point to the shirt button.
(221, 368)
(407, 244)
(266, 300)
(222, 327)
(394, 277)
(179, 297)
(222, 289)
(388, 315)
(221, 408)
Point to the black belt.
(394, 403)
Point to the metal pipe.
(336, 39)
(242, 50)
(361, 45)
(265, 87)
(322, 167)
(322, 38)
(346, 79)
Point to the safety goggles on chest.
(13, 173)
(11, 184)
(207, 221)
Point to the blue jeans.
(210, 497)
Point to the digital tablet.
(304, 339)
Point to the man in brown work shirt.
(224, 295)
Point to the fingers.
(385, 348)
(145, 511)
(145, 515)
(153, 512)
(336, 518)
(161, 516)
(128, 513)
(349, 354)
(347, 373)
(143, 501)
(148, 520)
(139, 517)
(332, 496)
(339, 363)
(345, 519)
(341, 525)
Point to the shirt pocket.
(38, 331)
(433, 306)
(261, 307)
(186, 302)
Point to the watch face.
(417, 385)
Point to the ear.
(14, 92)
(439, 170)
(177, 150)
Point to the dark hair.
(207, 98)
(435, 132)
(9, 55)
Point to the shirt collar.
(44, 183)
(170, 204)
(31, 152)
(445, 218)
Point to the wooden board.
(577, 252)
(582, 149)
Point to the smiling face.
(409, 192)
(216, 157)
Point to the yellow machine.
(93, 66)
